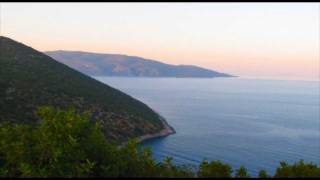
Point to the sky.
(256, 40)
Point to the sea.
(240, 121)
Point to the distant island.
(97, 64)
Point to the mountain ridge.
(30, 79)
(104, 64)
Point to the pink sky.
(276, 40)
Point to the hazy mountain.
(30, 79)
(97, 64)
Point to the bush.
(298, 169)
(214, 169)
(67, 144)
(242, 172)
(64, 144)
(263, 174)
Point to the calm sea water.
(248, 122)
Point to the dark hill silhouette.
(30, 79)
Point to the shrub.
(298, 169)
(263, 174)
(214, 169)
(67, 144)
(242, 172)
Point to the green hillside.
(29, 79)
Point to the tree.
(298, 169)
(242, 172)
(214, 169)
(263, 174)
(67, 144)
(64, 144)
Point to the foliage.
(298, 169)
(63, 144)
(214, 169)
(67, 144)
(263, 174)
(242, 172)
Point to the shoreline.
(168, 130)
